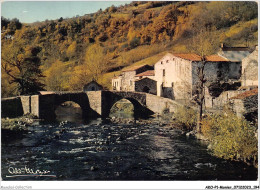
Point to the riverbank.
(15, 128)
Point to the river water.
(105, 151)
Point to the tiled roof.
(246, 94)
(133, 68)
(188, 56)
(137, 80)
(195, 57)
(146, 73)
(216, 58)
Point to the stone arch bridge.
(93, 103)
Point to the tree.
(96, 61)
(22, 65)
(204, 43)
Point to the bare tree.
(203, 44)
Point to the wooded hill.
(73, 51)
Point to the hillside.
(97, 46)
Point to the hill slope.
(99, 45)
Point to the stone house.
(249, 75)
(144, 82)
(117, 83)
(147, 85)
(246, 104)
(92, 86)
(146, 74)
(176, 74)
(126, 81)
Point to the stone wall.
(128, 81)
(250, 69)
(11, 107)
(220, 101)
(217, 72)
(46, 106)
(26, 103)
(35, 105)
(247, 107)
(158, 104)
(95, 101)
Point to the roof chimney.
(222, 45)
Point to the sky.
(32, 11)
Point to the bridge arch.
(69, 111)
(122, 108)
(80, 98)
(137, 99)
(50, 102)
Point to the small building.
(146, 74)
(146, 85)
(249, 75)
(176, 74)
(117, 83)
(92, 86)
(246, 104)
(126, 81)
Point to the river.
(99, 150)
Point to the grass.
(239, 27)
(106, 80)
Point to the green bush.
(232, 137)
(186, 117)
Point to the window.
(130, 83)
(163, 72)
(161, 62)
(167, 61)
(172, 84)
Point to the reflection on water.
(122, 114)
(69, 111)
(122, 109)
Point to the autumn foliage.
(120, 36)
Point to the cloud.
(25, 11)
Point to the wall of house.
(173, 76)
(144, 84)
(249, 75)
(128, 78)
(117, 84)
(216, 72)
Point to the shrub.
(134, 42)
(232, 137)
(186, 117)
